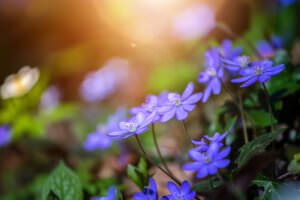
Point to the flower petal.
(188, 107)
(222, 154)
(173, 188)
(241, 79)
(249, 82)
(202, 172)
(194, 98)
(216, 86)
(185, 187)
(188, 90)
(168, 115)
(212, 169)
(203, 77)
(221, 163)
(181, 114)
(192, 166)
(195, 155)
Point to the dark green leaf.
(63, 183)
(139, 175)
(206, 184)
(270, 189)
(255, 146)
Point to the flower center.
(131, 127)
(177, 102)
(244, 61)
(211, 72)
(258, 70)
(207, 159)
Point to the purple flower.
(265, 49)
(260, 71)
(228, 52)
(179, 193)
(268, 49)
(217, 138)
(189, 24)
(97, 140)
(135, 125)
(111, 194)
(51, 97)
(276, 41)
(151, 105)
(208, 162)
(102, 83)
(237, 63)
(149, 193)
(213, 74)
(5, 135)
(179, 105)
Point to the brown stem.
(158, 150)
(186, 133)
(150, 160)
(269, 106)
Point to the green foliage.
(255, 146)
(261, 118)
(139, 175)
(270, 189)
(62, 183)
(294, 165)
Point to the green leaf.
(255, 146)
(294, 165)
(270, 189)
(139, 175)
(63, 183)
(261, 118)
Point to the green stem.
(158, 150)
(269, 106)
(240, 107)
(153, 163)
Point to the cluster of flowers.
(182, 192)
(208, 157)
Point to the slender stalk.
(158, 150)
(153, 163)
(240, 107)
(269, 106)
(186, 132)
(243, 119)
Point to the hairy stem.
(243, 118)
(269, 106)
(145, 155)
(158, 150)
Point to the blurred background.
(94, 56)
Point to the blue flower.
(228, 52)
(213, 74)
(260, 71)
(149, 193)
(151, 105)
(267, 49)
(5, 135)
(287, 2)
(187, 24)
(111, 194)
(99, 139)
(179, 105)
(179, 193)
(208, 162)
(135, 125)
(217, 138)
(237, 63)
